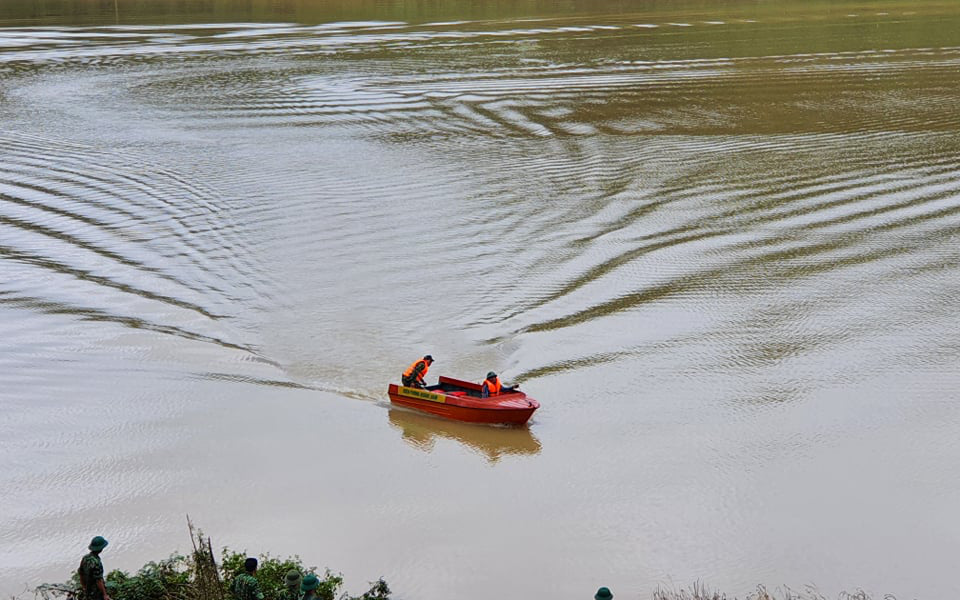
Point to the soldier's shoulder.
(90, 559)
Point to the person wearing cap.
(492, 387)
(92, 584)
(309, 586)
(245, 586)
(415, 373)
(292, 580)
(603, 594)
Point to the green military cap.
(310, 582)
(603, 594)
(292, 577)
(98, 543)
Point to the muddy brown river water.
(718, 241)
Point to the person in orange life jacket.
(492, 386)
(415, 373)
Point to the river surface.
(719, 242)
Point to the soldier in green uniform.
(292, 580)
(245, 585)
(91, 572)
(309, 587)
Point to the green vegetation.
(198, 577)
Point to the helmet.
(428, 357)
(310, 582)
(491, 375)
(97, 544)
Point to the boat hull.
(459, 400)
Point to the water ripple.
(99, 230)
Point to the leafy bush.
(379, 591)
(271, 572)
(198, 577)
(167, 579)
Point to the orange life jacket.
(423, 374)
(493, 387)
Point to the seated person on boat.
(492, 386)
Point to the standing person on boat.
(91, 572)
(492, 386)
(245, 586)
(415, 373)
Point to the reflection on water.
(422, 432)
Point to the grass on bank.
(701, 592)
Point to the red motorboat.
(460, 400)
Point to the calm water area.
(719, 241)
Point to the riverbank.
(201, 576)
(701, 592)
